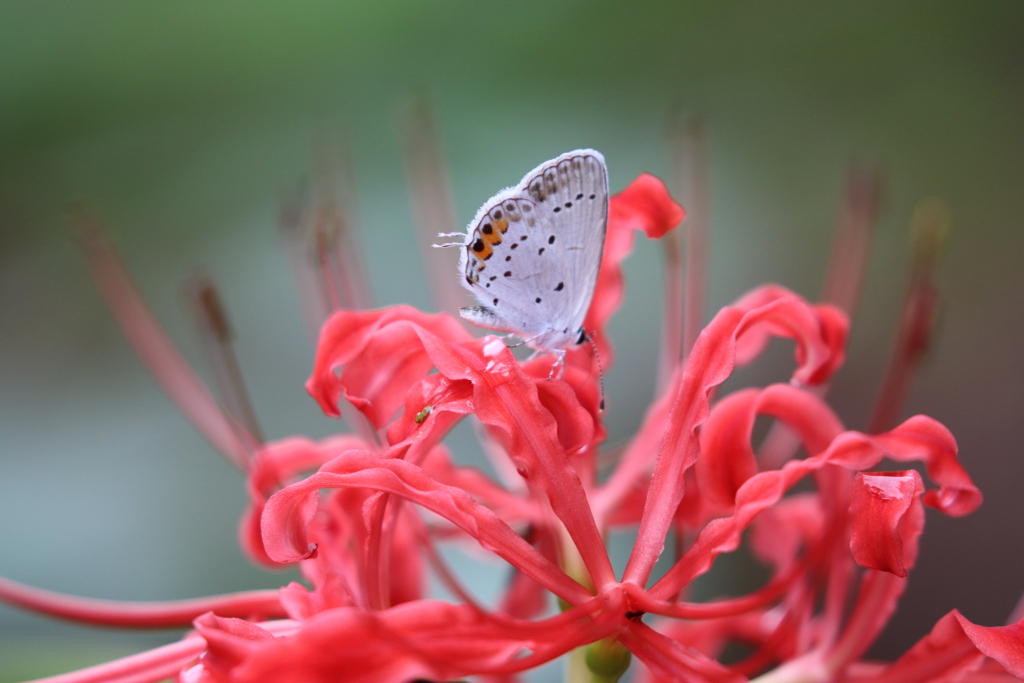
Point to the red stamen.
(692, 174)
(152, 344)
(163, 614)
(917, 319)
(217, 337)
(430, 194)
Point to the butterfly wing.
(532, 252)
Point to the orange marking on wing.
(501, 224)
(482, 248)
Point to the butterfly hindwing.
(533, 251)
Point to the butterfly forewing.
(533, 251)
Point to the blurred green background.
(186, 123)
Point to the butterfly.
(532, 253)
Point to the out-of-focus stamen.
(691, 174)
(844, 281)
(322, 240)
(851, 241)
(430, 194)
(337, 239)
(152, 344)
(671, 352)
(217, 338)
(293, 227)
(928, 231)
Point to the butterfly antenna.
(450, 244)
(600, 368)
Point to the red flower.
(347, 509)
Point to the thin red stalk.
(432, 204)
(146, 667)
(217, 336)
(153, 346)
(879, 593)
(153, 665)
(719, 608)
(123, 614)
(579, 522)
(768, 651)
(376, 549)
(658, 651)
(576, 635)
(440, 566)
(928, 230)
(692, 184)
(839, 583)
(395, 509)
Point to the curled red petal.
(504, 398)
(727, 457)
(277, 464)
(419, 640)
(288, 513)
(887, 518)
(379, 355)
(708, 365)
(779, 533)
(833, 329)
(229, 642)
(578, 388)
(432, 406)
(727, 454)
(919, 438)
(1005, 644)
(956, 646)
(507, 401)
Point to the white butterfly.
(532, 252)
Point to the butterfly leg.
(559, 365)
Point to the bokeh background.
(186, 123)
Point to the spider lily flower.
(346, 509)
